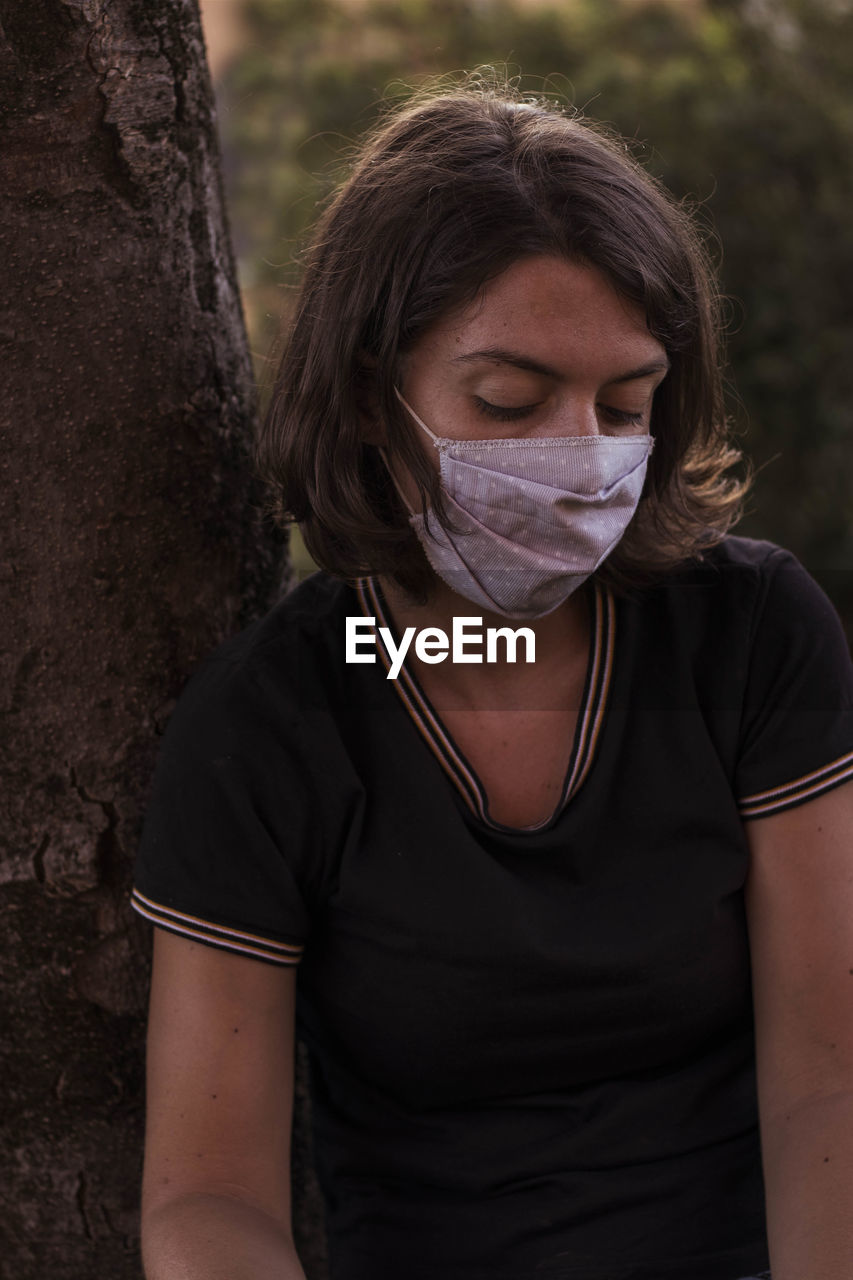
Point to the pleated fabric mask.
(532, 518)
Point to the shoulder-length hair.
(445, 195)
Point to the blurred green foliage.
(743, 107)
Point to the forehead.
(556, 309)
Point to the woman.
(543, 785)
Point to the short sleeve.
(228, 842)
(797, 727)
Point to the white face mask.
(535, 517)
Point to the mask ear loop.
(389, 468)
(384, 457)
(400, 494)
(419, 421)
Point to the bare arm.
(800, 909)
(216, 1182)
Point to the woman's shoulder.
(743, 592)
(305, 615)
(751, 558)
(738, 571)
(752, 599)
(273, 668)
(241, 823)
(766, 577)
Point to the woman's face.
(549, 348)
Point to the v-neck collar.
(439, 740)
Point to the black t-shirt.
(532, 1050)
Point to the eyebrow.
(498, 355)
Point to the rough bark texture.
(130, 544)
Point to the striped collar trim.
(429, 724)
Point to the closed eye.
(620, 417)
(504, 413)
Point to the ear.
(367, 403)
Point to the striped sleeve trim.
(811, 784)
(251, 944)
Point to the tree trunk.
(130, 545)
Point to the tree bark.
(130, 544)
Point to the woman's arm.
(799, 899)
(216, 1182)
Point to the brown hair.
(445, 195)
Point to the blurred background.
(743, 107)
